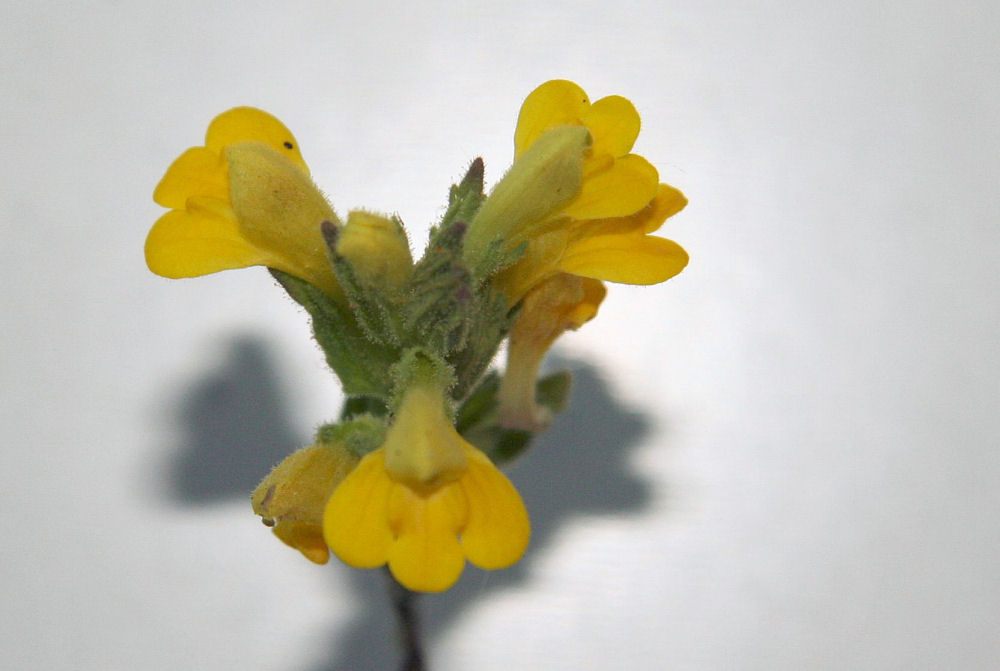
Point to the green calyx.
(361, 364)
(547, 176)
(360, 435)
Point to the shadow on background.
(237, 425)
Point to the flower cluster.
(408, 477)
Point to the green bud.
(377, 249)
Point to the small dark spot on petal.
(267, 522)
(288, 145)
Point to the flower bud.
(377, 249)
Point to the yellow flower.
(582, 208)
(559, 303)
(425, 501)
(243, 199)
(292, 497)
(599, 230)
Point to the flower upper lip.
(242, 199)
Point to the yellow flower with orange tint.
(292, 497)
(596, 202)
(426, 501)
(562, 302)
(243, 199)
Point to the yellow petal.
(594, 292)
(355, 523)
(304, 537)
(561, 302)
(624, 189)
(554, 103)
(427, 556)
(293, 496)
(196, 172)
(242, 124)
(628, 259)
(205, 239)
(667, 202)
(539, 261)
(498, 530)
(614, 123)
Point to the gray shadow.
(578, 468)
(236, 427)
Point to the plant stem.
(408, 624)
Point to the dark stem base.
(407, 623)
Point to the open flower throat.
(408, 476)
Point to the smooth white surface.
(817, 473)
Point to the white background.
(785, 458)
